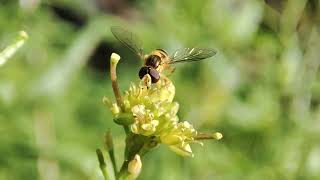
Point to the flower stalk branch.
(214, 136)
(113, 75)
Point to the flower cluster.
(149, 110)
(154, 114)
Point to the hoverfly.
(158, 60)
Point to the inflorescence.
(148, 113)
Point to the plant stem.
(214, 136)
(124, 170)
(114, 59)
(11, 49)
(134, 144)
(103, 165)
(109, 147)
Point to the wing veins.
(191, 54)
(128, 39)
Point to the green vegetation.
(261, 90)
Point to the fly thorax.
(153, 61)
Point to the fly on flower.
(159, 60)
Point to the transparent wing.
(128, 39)
(191, 54)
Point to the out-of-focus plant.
(11, 49)
(263, 92)
(148, 115)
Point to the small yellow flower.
(179, 137)
(144, 123)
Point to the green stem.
(114, 59)
(204, 136)
(109, 147)
(103, 165)
(134, 144)
(11, 49)
(126, 129)
(124, 170)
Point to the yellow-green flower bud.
(114, 58)
(134, 167)
(183, 150)
(217, 136)
(124, 119)
(115, 109)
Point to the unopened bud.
(23, 35)
(217, 136)
(134, 167)
(124, 119)
(182, 150)
(114, 58)
(115, 109)
(108, 141)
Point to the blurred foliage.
(261, 90)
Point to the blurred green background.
(261, 90)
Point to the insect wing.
(128, 39)
(191, 54)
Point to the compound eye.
(153, 61)
(143, 71)
(155, 76)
